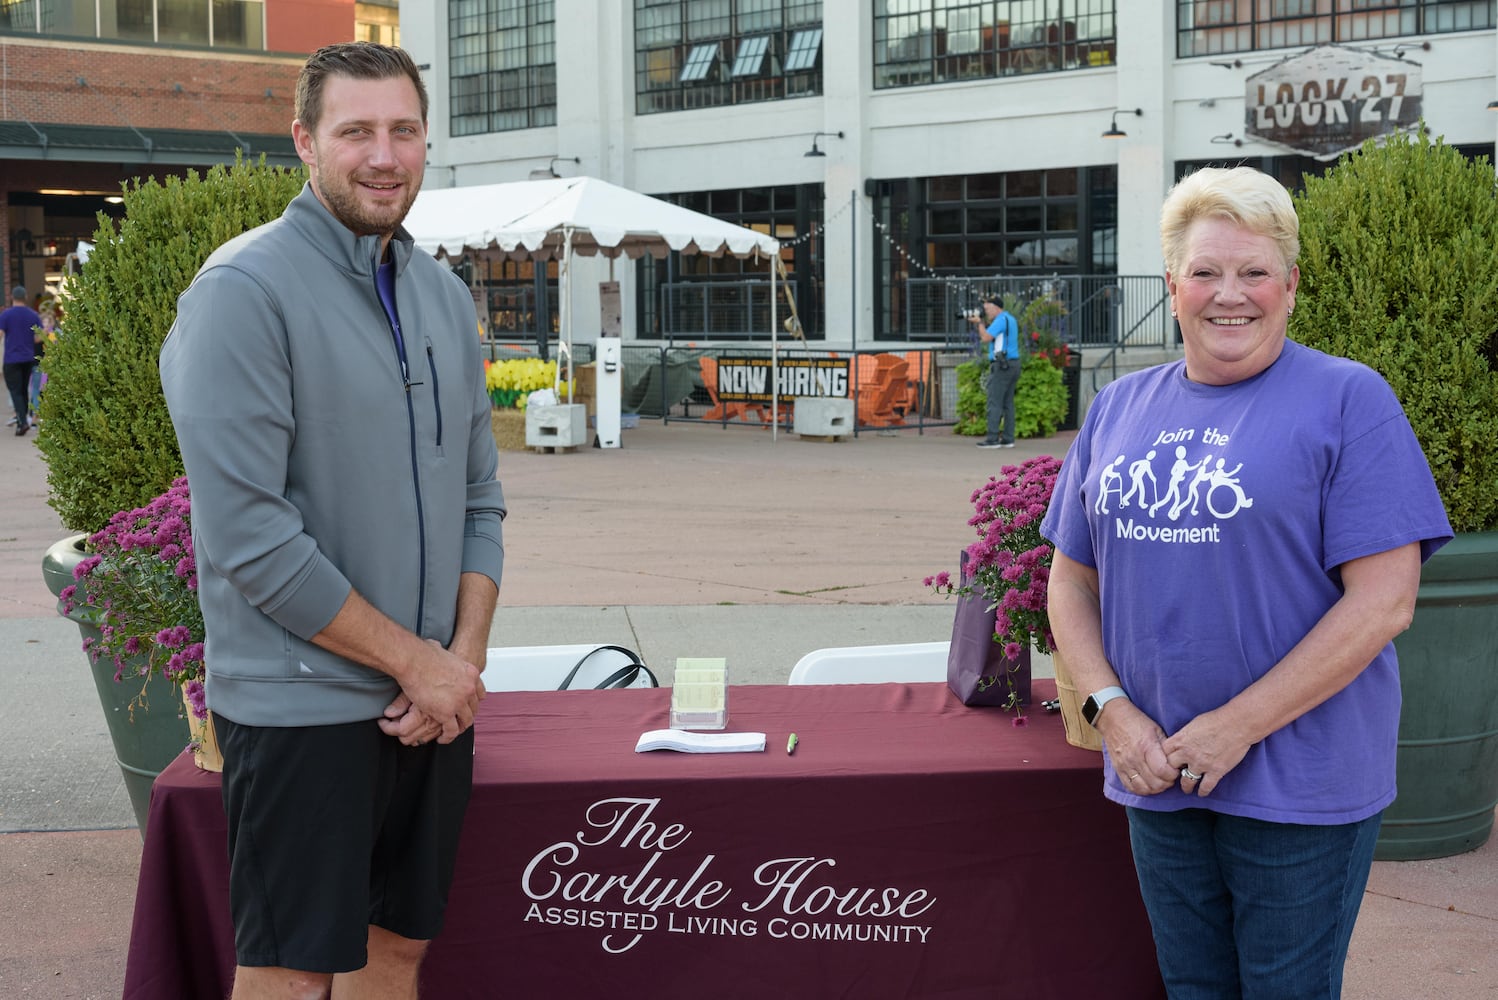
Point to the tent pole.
(853, 273)
(566, 305)
(774, 351)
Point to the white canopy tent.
(580, 215)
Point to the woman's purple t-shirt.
(1216, 517)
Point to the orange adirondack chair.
(881, 381)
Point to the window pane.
(946, 221)
(948, 255)
(944, 189)
(502, 65)
(184, 22)
(1060, 182)
(20, 16)
(1061, 217)
(985, 186)
(757, 15)
(985, 253)
(709, 53)
(751, 55)
(699, 62)
(707, 19)
(238, 24)
(1025, 218)
(1026, 184)
(804, 48)
(62, 17)
(988, 219)
(130, 19)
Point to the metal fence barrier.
(907, 390)
(1095, 310)
(891, 391)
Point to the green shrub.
(1039, 398)
(1398, 270)
(105, 432)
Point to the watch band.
(1095, 702)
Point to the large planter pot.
(1448, 728)
(144, 721)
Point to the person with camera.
(999, 332)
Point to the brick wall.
(139, 86)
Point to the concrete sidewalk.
(689, 541)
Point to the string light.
(961, 286)
(958, 287)
(817, 228)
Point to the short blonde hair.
(1246, 196)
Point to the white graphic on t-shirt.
(1191, 485)
(1139, 471)
(1108, 482)
(1178, 470)
(1226, 480)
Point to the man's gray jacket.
(317, 464)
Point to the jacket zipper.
(421, 535)
(436, 395)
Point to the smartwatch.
(1095, 702)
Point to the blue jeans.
(1243, 908)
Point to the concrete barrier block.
(560, 426)
(823, 416)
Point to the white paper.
(689, 742)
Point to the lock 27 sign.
(1332, 99)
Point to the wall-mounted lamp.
(1233, 64)
(817, 135)
(550, 173)
(1493, 105)
(1399, 49)
(1227, 137)
(1114, 132)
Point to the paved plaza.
(691, 540)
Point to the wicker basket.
(509, 428)
(1078, 732)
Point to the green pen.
(790, 744)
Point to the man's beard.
(342, 199)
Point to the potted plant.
(137, 591)
(1010, 566)
(105, 433)
(1398, 271)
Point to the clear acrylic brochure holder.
(699, 694)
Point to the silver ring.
(1189, 774)
(1134, 776)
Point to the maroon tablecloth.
(911, 847)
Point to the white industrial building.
(964, 140)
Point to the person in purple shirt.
(19, 323)
(1230, 605)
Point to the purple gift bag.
(976, 666)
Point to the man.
(19, 323)
(328, 397)
(1001, 335)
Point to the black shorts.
(335, 828)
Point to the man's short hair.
(995, 299)
(18, 293)
(360, 60)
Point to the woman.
(1234, 623)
